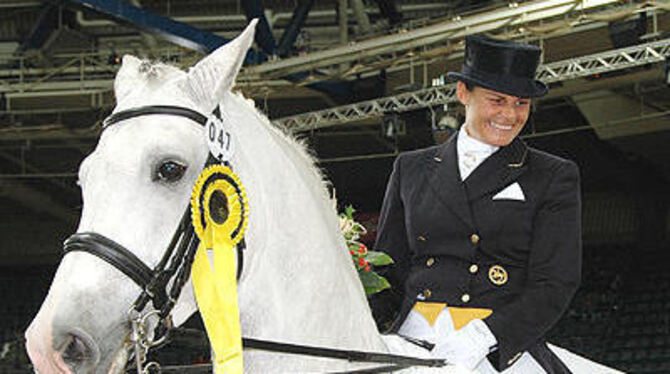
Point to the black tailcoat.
(437, 227)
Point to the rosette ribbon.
(219, 213)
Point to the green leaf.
(379, 258)
(349, 211)
(373, 282)
(359, 228)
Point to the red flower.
(361, 249)
(351, 252)
(362, 262)
(367, 268)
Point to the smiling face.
(493, 117)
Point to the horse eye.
(170, 171)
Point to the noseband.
(161, 285)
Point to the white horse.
(298, 283)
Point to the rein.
(397, 362)
(391, 362)
(162, 285)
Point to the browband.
(155, 109)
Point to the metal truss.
(619, 59)
(369, 109)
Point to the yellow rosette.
(219, 212)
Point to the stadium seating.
(620, 315)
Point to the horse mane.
(295, 147)
(301, 150)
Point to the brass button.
(465, 298)
(427, 293)
(421, 238)
(473, 268)
(430, 262)
(474, 238)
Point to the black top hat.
(503, 66)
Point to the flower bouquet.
(363, 259)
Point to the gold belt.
(459, 315)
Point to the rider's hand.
(467, 346)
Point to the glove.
(467, 346)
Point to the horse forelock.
(152, 83)
(154, 70)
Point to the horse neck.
(299, 284)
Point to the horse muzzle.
(53, 350)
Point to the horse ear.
(213, 76)
(126, 78)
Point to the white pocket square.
(511, 192)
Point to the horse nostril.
(76, 352)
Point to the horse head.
(136, 185)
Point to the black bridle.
(162, 285)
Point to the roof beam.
(179, 33)
(263, 37)
(440, 32)
(287, 39)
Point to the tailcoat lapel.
(445, 180)
(498, 170)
